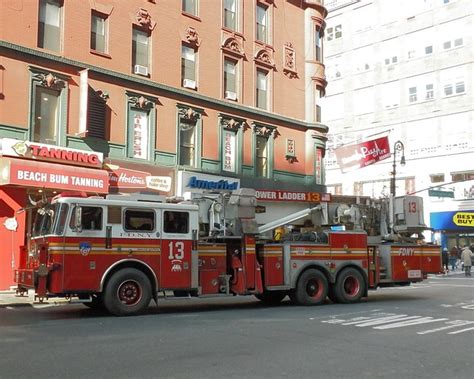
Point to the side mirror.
(78, 219)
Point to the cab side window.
(92, 218)
(175, 222)
(139, 220)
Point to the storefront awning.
(27, 173)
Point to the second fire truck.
(122, 251)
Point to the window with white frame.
(412, 94)
(188, 67)
(363, 59)
(262, 23)
(333, 106)
(453, 81)
(230, 14)
(429, 91)
(49, 25)
(362, 18)
(190, 7)
(428, 49)
(334, 68)
(262, 92)
(99, 28)
(334, 32)
(140, 52)
(390, 51)
(391, 94)
(230, 79)
(364, 101)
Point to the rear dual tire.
(311, 289)
(349, 287)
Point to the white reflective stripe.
(423, 320)
(454, 324)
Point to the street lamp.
(397, 146)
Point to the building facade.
(403, 70)
(228, 90)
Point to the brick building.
(165, 93)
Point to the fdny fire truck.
(122, 251)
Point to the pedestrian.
(466, 259)
(445, 260)
(453, 257)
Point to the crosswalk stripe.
(461, 331)
(454, 324)
(423, 320)
(388, 320)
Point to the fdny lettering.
(64, 155)
(208, 184)
(136, 235)
(406, 252)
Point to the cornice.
(222, 105)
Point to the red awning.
(28, 173)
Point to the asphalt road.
(421, 331)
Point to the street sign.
(438, 193)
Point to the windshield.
(50, 220)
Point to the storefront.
(455, 228)
(31, 172)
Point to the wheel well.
(362, 272)
(309, 267)
(131, 264)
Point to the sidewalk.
(11, 299)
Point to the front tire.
(128, 292)
(311, 289)
(349, 287)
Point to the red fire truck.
(122, 251)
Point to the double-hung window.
(230, 79)
(99, 32)
(140, 52)
(46, 122)
(49, 26)
(190, 7)
(262, 89)
(188, 67)
(230, 14)
(189, 135)
(261, 156)
(262, 23)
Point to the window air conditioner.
(140, 70)
(188, 83)
(230, 95)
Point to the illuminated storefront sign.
(31, 173)
(50, 153)
(275, 195)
